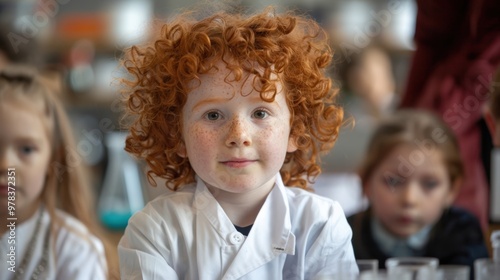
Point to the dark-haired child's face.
(235, 141)
(24, 145)
(410, 189)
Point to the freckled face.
(235, 143)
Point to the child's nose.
(7, 159)
(238, 134)
(410, 194)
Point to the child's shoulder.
(315, 204)
(182, 196)
(78, 250)
(169, 203)
(318, 216)
(69, 222)
(301, 195)
(456, 217)
(75, 234)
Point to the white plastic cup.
(453, 272)
(486, 269)
(420, 268)
(495, 245)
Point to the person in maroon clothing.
(492, 114)
(458, 49)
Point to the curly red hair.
(287, 46)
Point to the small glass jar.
(495, 245)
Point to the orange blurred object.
(76, 26)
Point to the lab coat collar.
(400, 246)
(270, 235)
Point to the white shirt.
(187, 235)
(78, 255)
(400, 247)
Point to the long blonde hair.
(66, 187)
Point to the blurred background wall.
(80, 43)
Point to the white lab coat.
(76, 254)
(187, 235)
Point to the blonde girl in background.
(411, 175)
(54, 232)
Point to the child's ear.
(182, 150)
(363, 183)
(455, 189)
(292, 146)
(366, 190)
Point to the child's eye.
(213, 115)
(260, 114)
(429, 184)
(394, 182)
(26, 150)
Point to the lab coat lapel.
(270, 235)
(210, 243)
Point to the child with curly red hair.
(233, 112)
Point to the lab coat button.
(235, 238)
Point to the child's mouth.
(405, 220)
(238, 163)
(4, 189)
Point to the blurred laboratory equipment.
(486, 269)
(121, 192)
(495, 245)
(453, 272)
(420, 268)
